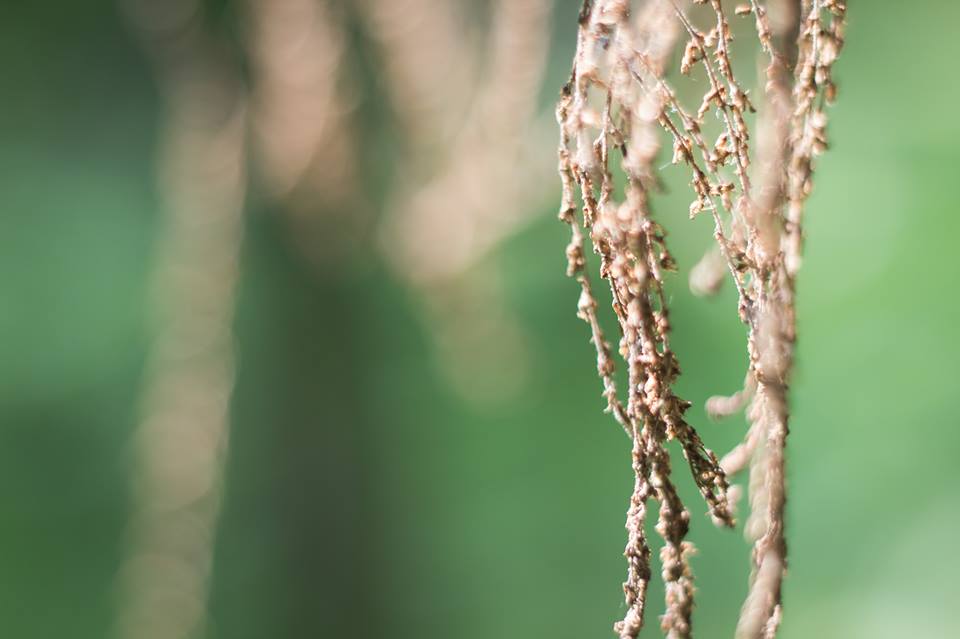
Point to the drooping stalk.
(618, 96)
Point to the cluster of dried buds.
(618, 100)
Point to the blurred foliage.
(364, 498)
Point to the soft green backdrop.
(364, 498)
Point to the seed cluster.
(618, 101)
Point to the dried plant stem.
(773, 333)
(618, 93)
(633, 257)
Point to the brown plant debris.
(619, 101)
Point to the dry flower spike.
(618, 100)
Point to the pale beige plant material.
(302, 103)
(617, 98)
(464, 190)
(472, 189)
(472, 140)
(181, 440)
(429, 64)
(471, 144)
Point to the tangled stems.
(617, 99)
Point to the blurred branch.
(307, 147)
(466, 188)
(429, 66)
(181, 440)
(441, 224)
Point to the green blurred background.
(364, 496)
